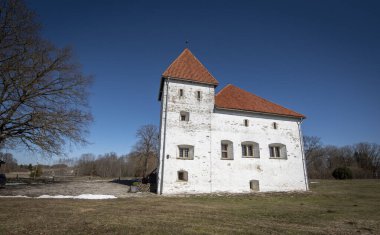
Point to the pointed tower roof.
(187, 67)
(232, 97)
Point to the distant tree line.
(141, 161)
(362, 159)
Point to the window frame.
(185, 152)
(246, 122)
(277, 151)
(181, 93)
(250, 149)
(229, 151)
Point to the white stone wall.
(206, 128)
(195, 132)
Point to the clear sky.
(319, 58)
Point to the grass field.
(332, 207)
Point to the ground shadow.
(128, 182)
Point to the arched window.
(250, 149)
(277, 150)
(185, 152)
(227, 150)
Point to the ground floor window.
(182, 175)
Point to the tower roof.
(187, 67)
(232, 97)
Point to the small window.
(224, 150)
(275, 126)
(254, 185)
(184, 116)
(182, 175)
(180, 92)
(227, 150)
(246, 122)
(277, 151)
(186, 152)
(250, 149)
(198, 95)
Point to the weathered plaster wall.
(206, 129)
(273, 174)
(195, 132)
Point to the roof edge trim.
(269, 114)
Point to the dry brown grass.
(333, 207)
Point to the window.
(182, 175)
(186, 152)
(184, 116)
(275, 125)
(227, 150)
(180, 93)
(250, 149)
(254, 185)
(277, 151)
(224, 151)
(198, 95)
(246, 122)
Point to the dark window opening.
(184, 116)
(182, 175)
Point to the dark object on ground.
(342, 173)
(3, 179)
(151, 179)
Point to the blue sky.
(319, 58)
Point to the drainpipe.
(164, 140)
(210, 139)
(303, 155)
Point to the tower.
(187, 94)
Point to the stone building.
(232, 141)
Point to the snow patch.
(19, 196)
(82, 196)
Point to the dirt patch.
(74, 188)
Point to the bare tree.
(43, 93)
(147, 145)
(312, 146)
(10, 162)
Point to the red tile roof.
(188, 67)
(232, 97)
